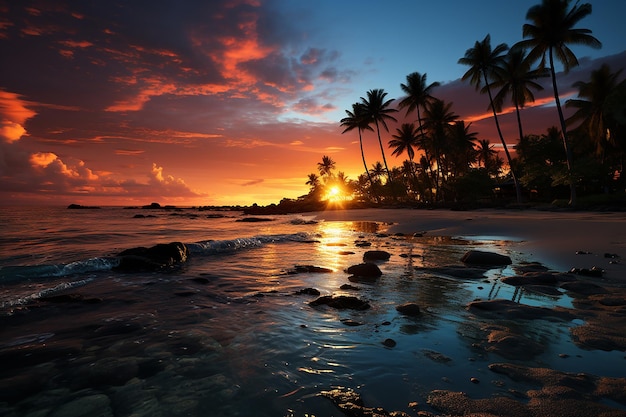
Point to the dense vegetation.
(447, 163)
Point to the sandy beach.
(560, 240)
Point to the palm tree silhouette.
(379, 112)
(486, 154)
(405, 139)
(418, 95)
(326, 167)
(357, 119)
(550, 31)
(590, 106)
(516, 78)
(484, 63)
(437, 120)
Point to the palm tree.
(484, 63)
(486, 155)
(379, 112)
(437, 120)
(405, 140)
(377, 171)
(418, 94)
(591, 106)
(313, 181)
(326, 167)
(357, 119)
(461, 153)
(516, 78)
(550, 31)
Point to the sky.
(233, 102)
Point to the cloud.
(13, 115)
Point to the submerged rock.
(341, 302)
(365, 270)
(511, 310)
(476, 257)
(376, 255)
(409, 309)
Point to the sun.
(334, 193)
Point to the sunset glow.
(232, 102)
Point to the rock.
(349, 287)
(531, 278)
(254, 219)
(584, 288)
(365, 270)
(78, 207)
(456, 271)
(308, 291)
(341, 302)
(389, 343)
(298, 269)
(511, 310)
(476, 257)
(154, 258)
(409, 309)
(593, 272)
(376, 255)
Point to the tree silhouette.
(550, 32)
(483, 63)
(326, 167)
(357, 119)
(379, 112)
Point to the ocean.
(231, 332)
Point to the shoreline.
(560, 240)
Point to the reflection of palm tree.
(591, 112)
(516, 78)
(551, 30)
(484, 63)
(326, 167)
(357, 119)
(378, 112)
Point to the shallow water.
(227, 335)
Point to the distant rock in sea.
(78, 206)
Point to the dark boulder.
(408, 309)
(365, 270)
(308, 291)
(341, 302)
(376, 255)
(163, 255)
(476, 257)
(301, 269)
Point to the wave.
(14, 274)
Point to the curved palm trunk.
(382, 151)
(568, 151)
(369, 176)
(518, 190)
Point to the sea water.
(227, 333)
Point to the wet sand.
(559, 241)
(556, 239)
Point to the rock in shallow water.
(157, 257)
(365, 270)
(476, 257)
(341, 302)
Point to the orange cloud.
(13, 114)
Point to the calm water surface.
(226, 334)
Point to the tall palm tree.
(550, 32)
(516, 78)
(377, 171)
(484, 63)
(313, 181)
(326, 167)
(438, 117)
(357, 119)
(418, 94)
(590, 106)
(379, 112)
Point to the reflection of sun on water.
(335, 238)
